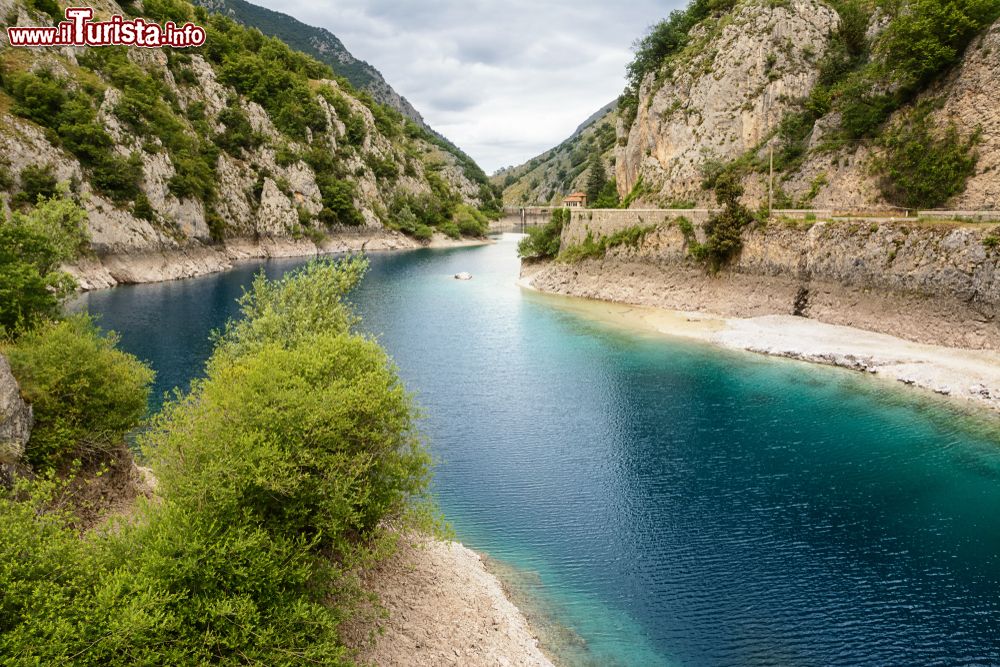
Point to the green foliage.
(543, 242)
(929, 36)
(50, 7)
(724, 230)
(142, 208)
(470, 222)
(992, 240)
(638, 190)
(32, 246)
(70, 114)
(607, 197)
(597, 179)
(277, 475)
(592, 249)
(239, 134)
(338, 202)
(288, 310)
(923, 167)
(36, 181)
(86, 395)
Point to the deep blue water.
(668, 502)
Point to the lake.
(659, 501)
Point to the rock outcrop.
(264, 189)
(730, 87)
(16, 417)
(929, 283)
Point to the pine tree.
(597, 178)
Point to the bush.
(591, 248)
(470, 222)
(32, 246)
(238, 135)
(338, 202)
(724, 231)
(923, 167)
(36, 181)
(86, 395)
(278, 473)
(543, 242)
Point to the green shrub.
(923, 167)
(32, 246)
(142, 208)
(238, 135)
(86, 395)
(290, 309)
(278, 474)
(470, 222)
(592, 249)
(338, 202)
(36, 181)
(724, 230)
(543, 242)
(50, 7)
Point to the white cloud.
(503, 80)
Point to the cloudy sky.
(505, 80)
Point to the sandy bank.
(972, 376)
(445, 608)
(189, 262)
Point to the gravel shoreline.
(969, 375)
(445, 608)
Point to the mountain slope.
(852, 95)
(547, 178)
(242, 138)
(319, 43)
(866, 104)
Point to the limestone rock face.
(276, 214)
(971, 103)
(727, 90)
(16, 418)
(255, 194)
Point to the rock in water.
(464, 275)
(16, 418)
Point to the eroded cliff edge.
(936, 283)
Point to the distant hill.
(547, 178)
(321, 44)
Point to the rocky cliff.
(864, 104)
(16, 420)
(241, 139)
(826, 93)
(322, 45)
(930, 283)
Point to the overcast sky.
(503, 80)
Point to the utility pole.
(770, 178)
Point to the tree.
(596, 179)
(32, 246)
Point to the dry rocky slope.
(722, 97)
(264, 201)
(930, 283)
(740, 76)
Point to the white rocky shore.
(972, 376)
(445, 608)
(196, 260)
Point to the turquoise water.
(668, 502)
